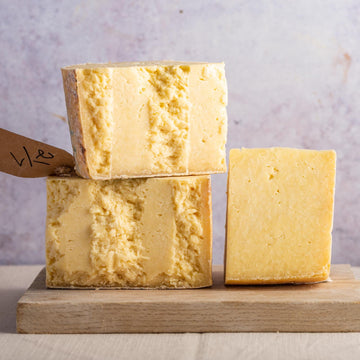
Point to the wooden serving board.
(324, 307)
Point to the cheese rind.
(145, 233)
(279, 216)
(147, 119)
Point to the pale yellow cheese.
(147, 119)
(151, 233)
(279, 215)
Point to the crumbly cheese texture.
(147, 119)
(279, 215)
(145, 233)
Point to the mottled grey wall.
(293, 74)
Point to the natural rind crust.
(303, 280)
(208, 208)
(70, 287)
(76, 131)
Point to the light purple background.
(293, 74)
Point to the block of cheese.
(279, 216)
(147, 119)
(146, 233)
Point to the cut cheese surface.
(147, 119)
(279, 215)
(147, 233)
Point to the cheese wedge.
(279, 216)
(147, 119)
(142, 233)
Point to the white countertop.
(15, 279)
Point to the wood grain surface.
(332, 306)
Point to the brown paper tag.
(24, 157)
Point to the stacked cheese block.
(135, 217)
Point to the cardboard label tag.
(24, 157)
